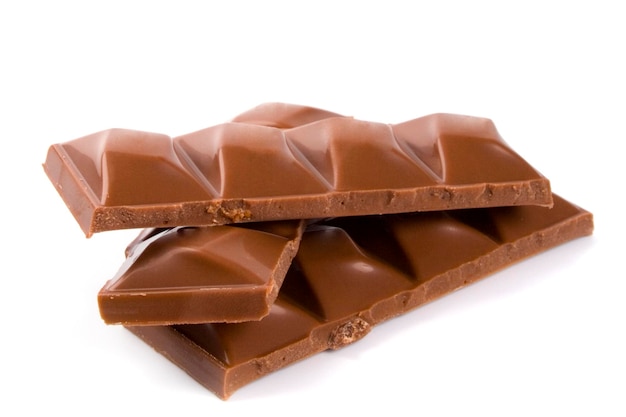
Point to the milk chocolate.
(283, 115)
(201, 274)
(281, 162)
(353, 273)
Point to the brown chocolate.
(316, 165)
(353, 273)
(201, 274)
(283, 115)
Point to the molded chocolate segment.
(201, 274)
(241, 160)
(322, 166)
(353, 273)
(283, 115)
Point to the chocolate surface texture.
(281, 161)
(187, 275)
(353, 273)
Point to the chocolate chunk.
(201, 274)
(352, 273)
(280, 162)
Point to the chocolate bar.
(294, 163)
(352, 273)
(201, 274)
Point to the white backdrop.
(545, 337)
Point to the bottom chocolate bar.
(353, 273)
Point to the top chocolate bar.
(281, 161)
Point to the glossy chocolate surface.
(283, 115)
(282, 161)
(201, 274)
(353, 273)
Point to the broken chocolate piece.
(201, 274)
(353, 273)
(323, 166)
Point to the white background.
(545, 337)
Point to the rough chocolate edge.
(93, 219)
(74, 190)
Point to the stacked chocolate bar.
(292, 230)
